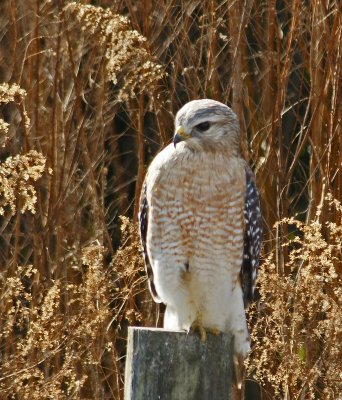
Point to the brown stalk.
(140, 153)
(239, 15)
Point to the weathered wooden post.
(169, 365)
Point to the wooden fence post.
(169, 365)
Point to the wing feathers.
(143, 223)
(252, 239)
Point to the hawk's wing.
(143, 220)
(252, 239)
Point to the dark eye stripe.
(203, 126)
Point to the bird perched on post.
(200, 225)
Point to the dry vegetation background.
(87, 98)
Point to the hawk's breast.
(197, 202)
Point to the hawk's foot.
(214, 331)
(197, 326)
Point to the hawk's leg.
(198, 326)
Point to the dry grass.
(297, 335)
(87, 97)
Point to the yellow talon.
(214, 331)
(197, 326)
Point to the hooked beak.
(176, 139)
(180, 135)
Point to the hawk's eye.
(203, 126)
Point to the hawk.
(200, 225)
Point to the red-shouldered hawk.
(200, 224)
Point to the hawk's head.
(207, 123)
